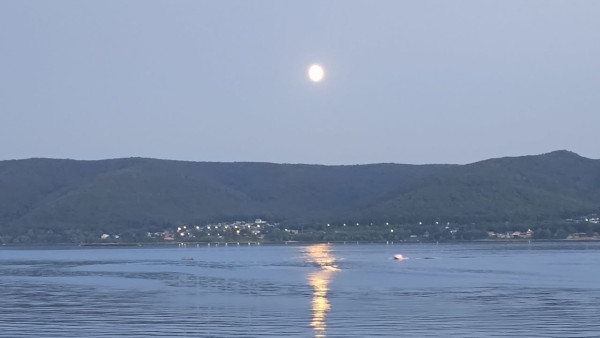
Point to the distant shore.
(300, 243)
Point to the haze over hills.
(141, 193)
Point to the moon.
(316, 73)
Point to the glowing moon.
(316, 73)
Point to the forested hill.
(151, 194)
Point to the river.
(496, 289)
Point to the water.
(450, 290)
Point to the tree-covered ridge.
(150, 194)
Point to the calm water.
(450, 290)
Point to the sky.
(406, 81)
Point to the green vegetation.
(46, 200)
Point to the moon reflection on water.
(319, 280)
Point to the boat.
(399, 257)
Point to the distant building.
(511, 235)
(583, 236)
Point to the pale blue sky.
(407, 81)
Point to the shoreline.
(283, 243)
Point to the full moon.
(316, 73)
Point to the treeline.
(429, 233)
(140, 194)
(320, 233)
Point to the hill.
(141, 193)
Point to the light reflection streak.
(320, 280)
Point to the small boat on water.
(399, 257)
(187, 259)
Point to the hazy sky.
(406, 81)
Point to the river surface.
(445, 290)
